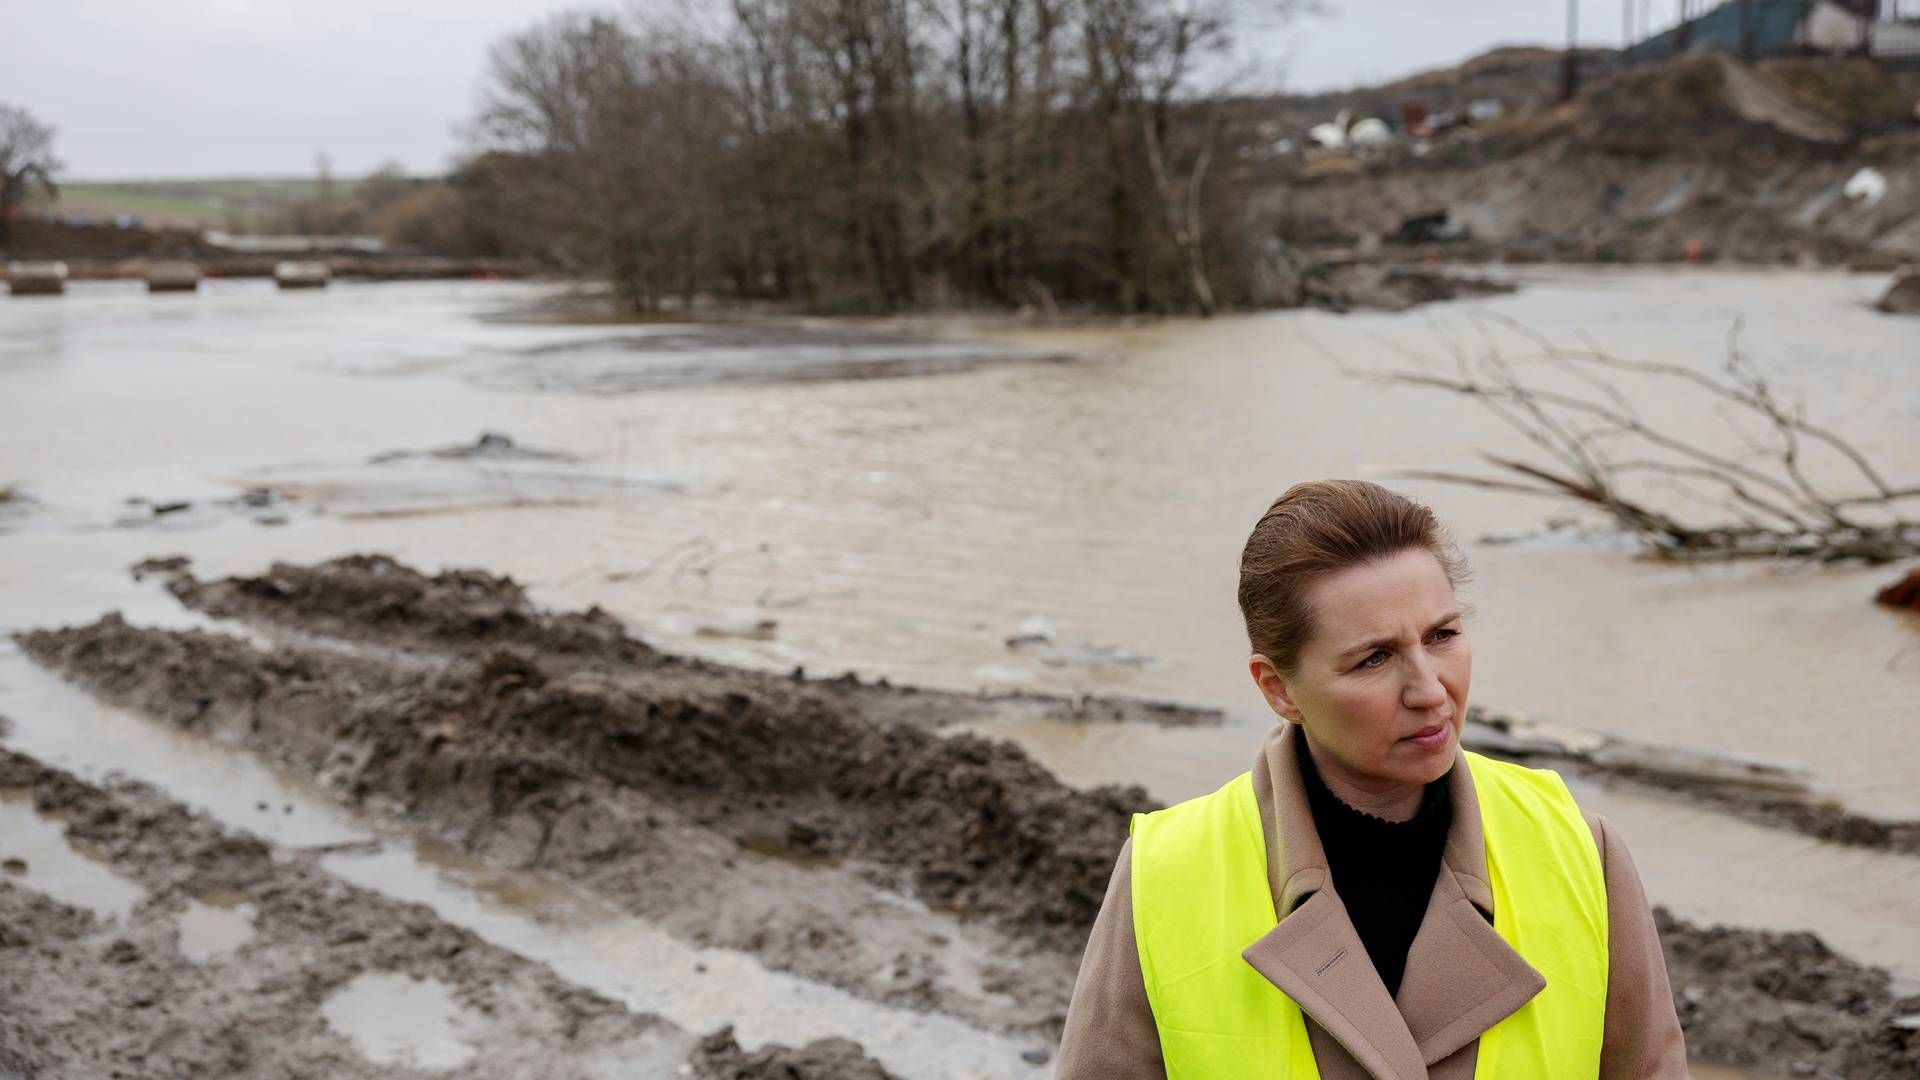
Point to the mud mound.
(371, 597)
(1904, 593)
(1903, 296)
(1701, 156)
(719, 1057)
(375, 600)
(1786, 1003)
(965, 822)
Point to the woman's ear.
(1273, 687)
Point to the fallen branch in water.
(1600, 451)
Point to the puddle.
(215, 925)
(395, 1019)
(589, 942)
(35, 853)
(585, 940)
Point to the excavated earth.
(829, 828)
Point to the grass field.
(231, 202)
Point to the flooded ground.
(879, 499)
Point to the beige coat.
(1461, 977)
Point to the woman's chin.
(1414, 763)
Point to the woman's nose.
(1424, 689)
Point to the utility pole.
(1746, 29)
(1570, 68)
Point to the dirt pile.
(1903, 296)
(719, 1057)
(1701, 156)
(1787, 1003)
(372, 598)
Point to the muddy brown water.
(906, 526)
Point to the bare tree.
(876, 154)
(1598, 448)
(26, 164)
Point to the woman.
(1370, 900)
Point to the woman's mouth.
(1432, 737)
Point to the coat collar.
(1461, 977)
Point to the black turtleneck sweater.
(1383, 870)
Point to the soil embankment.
(826, 827)
(1701, 157)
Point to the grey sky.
(256, 87)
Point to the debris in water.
(1903, 296)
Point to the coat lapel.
(1461, 976)
(1315, 957)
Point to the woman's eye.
(1447, 634)
(1377, 653)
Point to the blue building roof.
(1774, 23)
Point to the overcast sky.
(258, 87)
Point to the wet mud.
(831, 829)
(90, 997)
(719, 1057)
(1787, 1004)
(747, 811)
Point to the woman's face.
(1382, 685)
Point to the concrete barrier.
(301, 275)
(172, 275)
(37, 278)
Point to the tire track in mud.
(84, 996)
(738, 810)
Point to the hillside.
(1702, 156)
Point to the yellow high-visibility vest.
(1200, 896)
